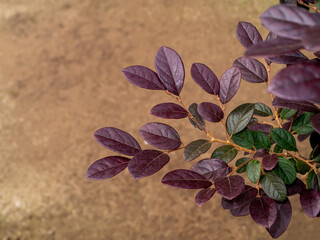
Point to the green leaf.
(239, 118)
(287, 113)
(254, 170)
(284, 139)
(277, 149)
(244, 139)
(310, 179)
(241, 161)
(318, 4)
(273, 186)
(225, 153)
(302, 167)
(316, 182)
(302, 124)
(261, 140)
(195, 149)
(285, 170)
(262, 110)
(194, 112)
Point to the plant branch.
(304, 4)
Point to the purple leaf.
(269, 161)
(317, 54)
(143, 77)
(297, 82)
(147, 162)
(170, 69)
(265, 128)
(241, 211)
(299, 105)
(205, 78)
(230, 187)
(261, 153)
(315, 121)
(169, 111)
(245, 198)
(251, 70)
(182, 178)
(117, 140)
(204, 195)
(310, 202)
(211, 168)
(303, 137)
(263, 211)
(288, 21)
(311, 38)
(296, 187)
(107, 167)
(289, 58)
(210, 112)
(282, 220)
(273, 47)
(229, 84)
(160, 135)
(247, 34)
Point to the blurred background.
(61, 80)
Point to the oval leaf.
(147, 162)
(264, 128)
(310, 202)
(193, 109)
(195, 149)
(241, 211)
(302, 124)
(225, 153)
(170, 69)
(229, 84)
(230, 187)
(210, 112)
(285, 170)
(260, 109)
(242, 161)
(247, 34)
(263, 211)
(107, 167)
(315, 121)
(284, 139)
(273, 186)
(289, 58)
(244, 139)
(261, 140)
(205, 78)
(160, 135)
(299, 82)
(287, 113)
(204, 196)
(182, 178)
(269, 161)
(169, 111)
(295, 188)
(246, 197)
(254, 170)
(211, 168)
(251, 70)
(239, 118)
(299, 105)
(143, 77)
(117, 140)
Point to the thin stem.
(271, 124)
(173, 150)
(241, 165)
(304, 4)
(231, 143)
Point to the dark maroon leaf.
(261, 153)
(286, 125)
(299, 105)
(246, 197)
(143, 77)
(188, 179)
(229, 84)
(170, 69)
(147, 162)
(160, 135)
(211, 168)
(289, 58)
(205, 78)
(263, 211)
(315, 121)
(303, 137)
(251, 70)
(310, 202)
(317, 54)
(229, 187)
(204, 195)
(241, 211)
(273, 47)
(296, 187)
(269, 161)
(169, 111)
(265, 128)
(117, 140)
(247, 34)
(282, 220)
(210, 111)
(298, 82)
(288, 21)
(107, 167)
(311, 38)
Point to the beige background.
(60, 80)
